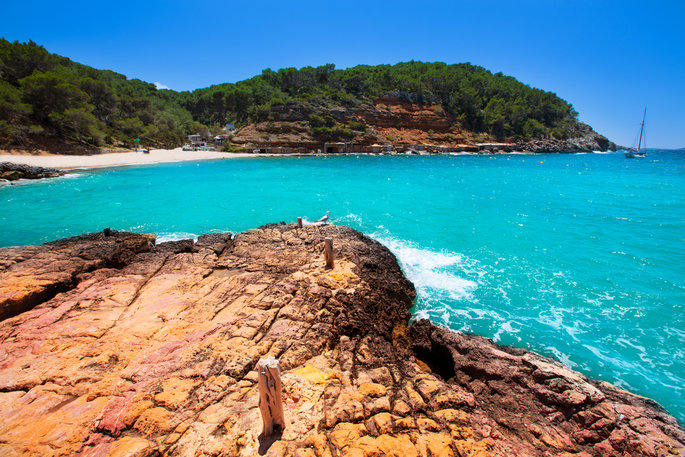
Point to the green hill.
(45, 97)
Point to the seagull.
(325, 218)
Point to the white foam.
(421, 314)
(504, 328)
(428, 270)
(351, 218)
(175, 236)
(562, 357)
(24, 182)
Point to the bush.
(358, 126)
(533, 129)
(227, 147)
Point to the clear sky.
(609, 58)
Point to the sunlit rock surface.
(113, 346)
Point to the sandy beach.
(65, 162)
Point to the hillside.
(49, 102)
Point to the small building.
(197, 142)
(334, 148)
(221, 138)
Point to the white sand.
(118, 158)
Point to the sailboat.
(640, 152)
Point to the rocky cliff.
(395, 122)
(111, 345)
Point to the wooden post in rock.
(328, 253)
(299, 222)
(270, 400)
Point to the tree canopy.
(40, 92)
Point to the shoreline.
(117, 159)
(157, 156)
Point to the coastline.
(156, 156)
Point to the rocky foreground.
(111, 345)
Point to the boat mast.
(642, 127)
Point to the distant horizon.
(587, 53)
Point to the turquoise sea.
(578, 257)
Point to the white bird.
(325, 218)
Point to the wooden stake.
(270, 400)
(328, 253)
(299, 222)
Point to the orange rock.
(155, 421)
(382, 424)
(175, 392)
(123, 348)
(385, 445)
(345, 434)
(373, 390)
(130, 446)
(435, 445)
(427, 425)
(452, 416)
(401, 408)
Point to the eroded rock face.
(156, 353)
(395, 119)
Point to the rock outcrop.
(151, 350)
(12, 172)
(589, 141)
(398, 122)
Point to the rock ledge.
(113, 346)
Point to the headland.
(112, 345)
(411, 106)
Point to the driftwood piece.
(328, 253)
(270, 397)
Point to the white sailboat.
(640, 152)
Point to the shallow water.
(579, 257)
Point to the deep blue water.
(579, 257)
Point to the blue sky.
(609, 59)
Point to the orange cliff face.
(388, 121)
(113, 346)
(392, 112)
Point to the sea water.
(577, 257)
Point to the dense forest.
(43, 94)
(46, 94)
